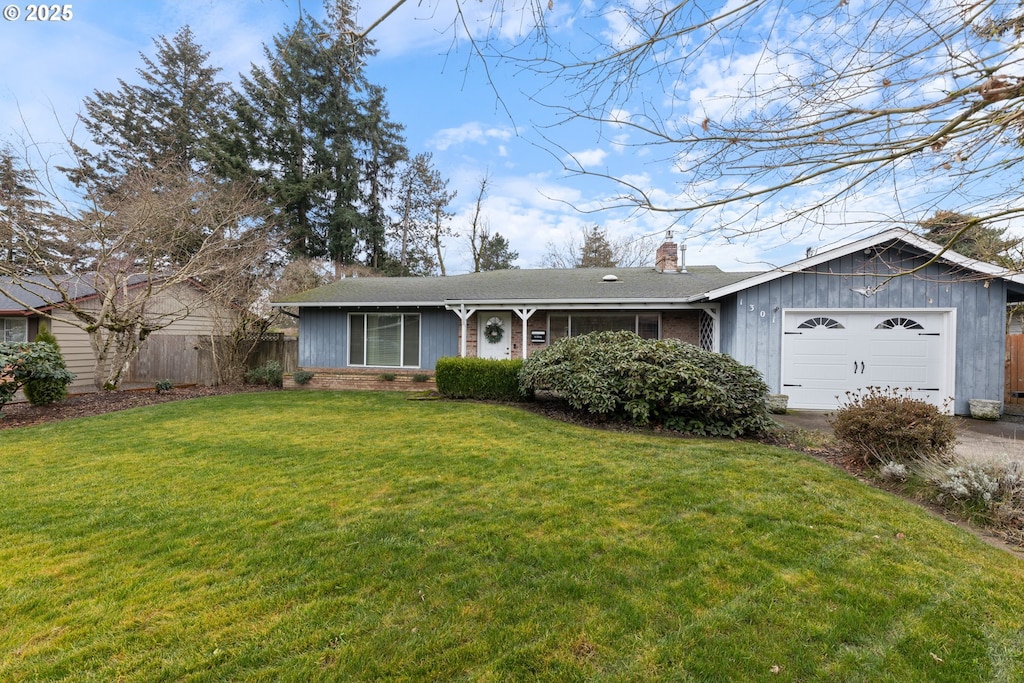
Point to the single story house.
(890, 310)
(169, 353)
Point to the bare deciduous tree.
(592, 249)
(132, 276)
(778, 115)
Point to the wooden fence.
(189, 359)
(276, 347)
(174, 357)
(1013, 398)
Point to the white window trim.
(401, 342)
(8, 321)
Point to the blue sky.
(435, 88)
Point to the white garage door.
(826, 353)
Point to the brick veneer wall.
(337, 379)
(684, 325)
(516, 333)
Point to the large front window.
(13, 329)
(646, 325)
(384, 340)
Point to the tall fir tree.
(323, 136)
(177, 115)
(28, 241)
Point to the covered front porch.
(516, 330)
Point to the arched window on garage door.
(817, 323)
(899, 324)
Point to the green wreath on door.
(494, 330)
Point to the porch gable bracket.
(464, 315)
(524, 315)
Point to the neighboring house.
(170, 353)
(888, 310)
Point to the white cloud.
(587, 158)
(472, 132)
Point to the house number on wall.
(763, 314)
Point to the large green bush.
(22, 363)
(886, 425)
(662, 382)
(479, 378)
(46, 390)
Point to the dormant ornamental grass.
(304, 536)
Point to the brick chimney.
(666, 259)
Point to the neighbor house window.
(560, 325)
(14, 329)
(384, 340)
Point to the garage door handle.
(855, 367)
(792, 385)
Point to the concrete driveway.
(981, 440)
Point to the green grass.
(308, 536)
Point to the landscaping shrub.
(479, 378)
(991, 493)
(387, 377)
(663, 382)
(302, 377)
(270, 374)
(164, 386)
(886, 425)
(39, 362)
(43, 391)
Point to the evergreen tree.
(597, 250)
(591, 248)
(27, 238)
(494, 253)
(177, 115)
(967, 235)
(323, 135)
(385, 151)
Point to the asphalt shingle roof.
(37, 291)
(514, 286)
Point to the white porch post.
(464, 315)
(524, 315)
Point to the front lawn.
(303, 536)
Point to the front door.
(494, 336)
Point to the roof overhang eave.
(357, 304)
(563, 304)
(901, 234)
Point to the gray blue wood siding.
(323, 336)
(751, 326)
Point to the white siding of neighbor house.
(74, 346)
(752, 319)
